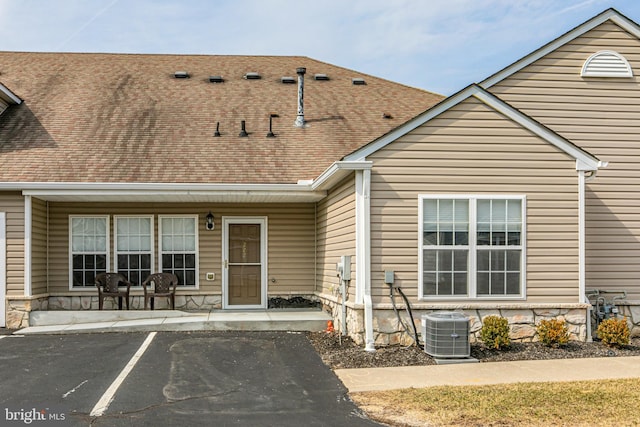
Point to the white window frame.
(472, 247)
(115, 243)
(196, 252)
(71, 252)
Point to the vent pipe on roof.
(300, 118)
(270, 134)
(217, 132)
(243, 130)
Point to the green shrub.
(495, 332)
(614, 332)
(553, 332)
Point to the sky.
(437, 45)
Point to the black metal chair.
(164, 285)
(108, 285)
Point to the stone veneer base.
(387, 330)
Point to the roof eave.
(8, 96)
(337, 172)
(167, 192)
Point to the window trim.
(115, 242)
(472, 248)
(107, 219)
(197, 247)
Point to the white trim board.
(3, 269)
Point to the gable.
(473, 139)
(610, 16)
(584, 160)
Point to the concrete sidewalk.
(557, 370)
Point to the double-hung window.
(89, 249)
(178, 247)
(133, 245)
(472, 246)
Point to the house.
(515, 196)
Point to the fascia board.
(610, 14)
(147, 186)
(9, 96)
(163, 191)
(336, 172)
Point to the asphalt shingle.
(126, 118)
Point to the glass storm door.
(244, 263)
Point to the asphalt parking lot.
(170, 379)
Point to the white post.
(3, 269)
(27, 246)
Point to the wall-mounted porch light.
(209, 221)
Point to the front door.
(244, 263)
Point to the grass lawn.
(581, 403)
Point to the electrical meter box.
(343, 268)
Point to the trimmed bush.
(614, 332)
(553, 332)
(495, 332)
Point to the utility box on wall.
(446, 334)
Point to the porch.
(71, 321)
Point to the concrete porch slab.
(60, 322)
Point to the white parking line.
(108, 395)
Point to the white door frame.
(3, 269)
(226, 221)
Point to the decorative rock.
(576, 316)
(85, 302)
(520, 317)
(547, 313)
(524, 333)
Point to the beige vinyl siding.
(471, 149)
(13, 205)
(336, 235)
(291, 234)
(601, 115)
(38, 247)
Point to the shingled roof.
(126, 118)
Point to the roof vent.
(252, 76)
(287, 79)
(181, 75)
(216, 79)
(606, 63)
(358, 81)
(321, 77)
(243, 130)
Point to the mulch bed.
(340, 352)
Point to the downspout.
(27, 246)
(363, 252)
(582, 276)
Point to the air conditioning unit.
(446, 334)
